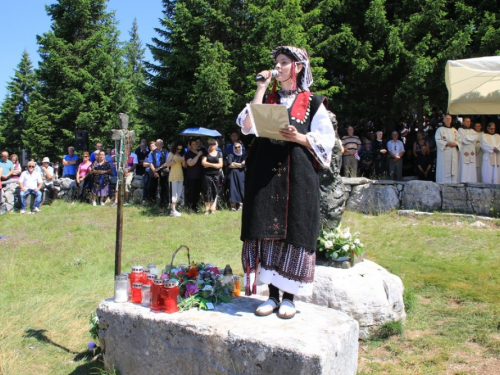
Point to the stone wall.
(373, 197)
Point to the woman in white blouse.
(280, 221)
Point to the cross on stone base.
(121, 137)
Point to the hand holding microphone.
(262, 76)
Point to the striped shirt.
(351, 142)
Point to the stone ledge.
(229, 340)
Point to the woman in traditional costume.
(280, 221)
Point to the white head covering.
(241, 149)
(299, 55)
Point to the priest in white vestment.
(478, 127)
(447, 153)
(490, 144)
(467, 138)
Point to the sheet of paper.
(268, 119)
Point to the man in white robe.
(467, 138)
(447, 153)
(478, 127)
(490, 144)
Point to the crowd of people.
(197, 175)
(444, 150)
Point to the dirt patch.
(417, 334)
(424, 300)
(472, 362)
(455, 303)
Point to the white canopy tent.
(474, 86)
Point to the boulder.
(66, 183)
(373, 199)
(137, 195)
(422, 195)
(137, 183)
(484, 201)
(455, 198)
(367, 292)
(228, 340)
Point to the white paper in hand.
(268, 119)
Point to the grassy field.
(56, 266)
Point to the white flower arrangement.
(339, 243)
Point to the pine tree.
(81, 77)
(133, 84)
(14, 110)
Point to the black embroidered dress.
(280, 221)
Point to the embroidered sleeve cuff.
(240, 121)
(321, 152)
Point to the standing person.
(83, 176)
(396, 150)
(194, 174)
(379, 151)
(365, 159)
(212, 177)
(280, 221)
(467, 139)
(351, 144)
(16, 167)
(31, 182)
(490, 143)
(478, 127)
(447, 153)
(70, 164)
(158, 174)
(7, 166)
(48, 179)
(146, 177)
(142, 153)
(236, 176)
(176, 162)
(101, 170)
(98, 149)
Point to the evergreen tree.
(81, 77)
(14, 109)
(135, 81)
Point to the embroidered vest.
(281, 185)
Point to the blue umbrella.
(201, 131)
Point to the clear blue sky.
(22, 21)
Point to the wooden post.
(121, 137)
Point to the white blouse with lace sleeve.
(321, 137)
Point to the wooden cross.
(122, 137)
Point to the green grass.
(56, 266)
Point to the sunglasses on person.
(31, 167)
(237, 147)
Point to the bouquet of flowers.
(199, 285)
(339, 243)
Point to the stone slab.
(373, 199)
(422, 195)
(229, 340)
(356, 180)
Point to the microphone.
(260, 77)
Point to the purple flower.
(191, 289)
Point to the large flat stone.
(230, 340)
(422, 195)
(455, 198)
(373, 199)
(484, 201)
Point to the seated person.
(30, 182)
(48, 179)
